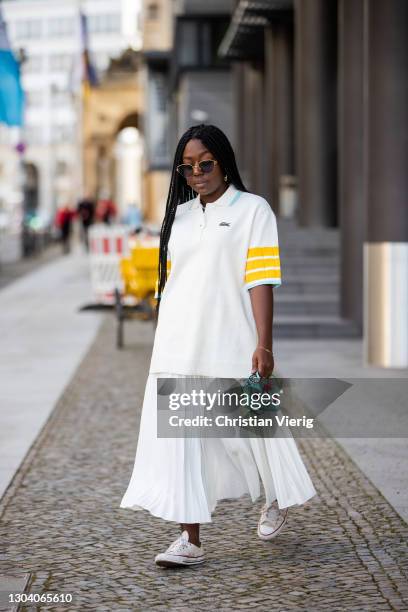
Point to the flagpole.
(80, 142)
(80, 112)
(88, 79)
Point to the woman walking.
(219, 261)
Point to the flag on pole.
(11, 91)
(89, 76)
(83, 73)
(83, 77)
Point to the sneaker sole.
(168, 563)
(265, 538)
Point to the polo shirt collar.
(224, 200)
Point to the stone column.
(316, 119)
(279, 112)
(386, 246)
(351, 169)
(257, 135)
(247, 129)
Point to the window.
(62, 133)
(206, 44)
(101, 60)
(61, 62)
(198, 41)
(61, 168)
(4, 134)
(34, 98)
(33, 134)
(63, 26)
(109, 23)
(189, 51)
(28, 28)
(33, 63)
(157, 118)
(59, 97)
(152, 12)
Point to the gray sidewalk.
(43, 340)
(384, 460)
(11, 271)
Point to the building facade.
(322, 94)
(186, 82)
(47, 35)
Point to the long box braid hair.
(220, 147)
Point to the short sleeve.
(156, 289)
(262, 265)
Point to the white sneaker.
(272, 521)
(181, 552)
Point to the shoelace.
(276, 514)
(179, 544)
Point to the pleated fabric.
(182, 479)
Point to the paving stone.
(60, 519)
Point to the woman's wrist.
(265, 340)
(265, 348)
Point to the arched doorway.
(30, 238)
(30, 188)
(113, 139)
(128, 154)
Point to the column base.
(386, 304)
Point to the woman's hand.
(263, 362)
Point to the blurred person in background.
(133, 217)
(106, 210)
(63, 221)
(86, 215)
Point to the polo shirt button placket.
(203, 223)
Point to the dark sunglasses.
(206, 166)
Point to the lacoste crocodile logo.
(224, 223)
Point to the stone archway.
(132, 120)
(115, 104)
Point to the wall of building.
(198, 7)
(208, 96)
(156, 19)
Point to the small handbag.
(255, 384)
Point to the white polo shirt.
(206, 325)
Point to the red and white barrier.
(107, 245)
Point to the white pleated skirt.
(182, 479)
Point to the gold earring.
(225, 178)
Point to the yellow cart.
(139, 275)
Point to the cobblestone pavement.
(60, 519)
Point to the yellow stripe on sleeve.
(263, 252)
(263, 262)
(262, 275)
